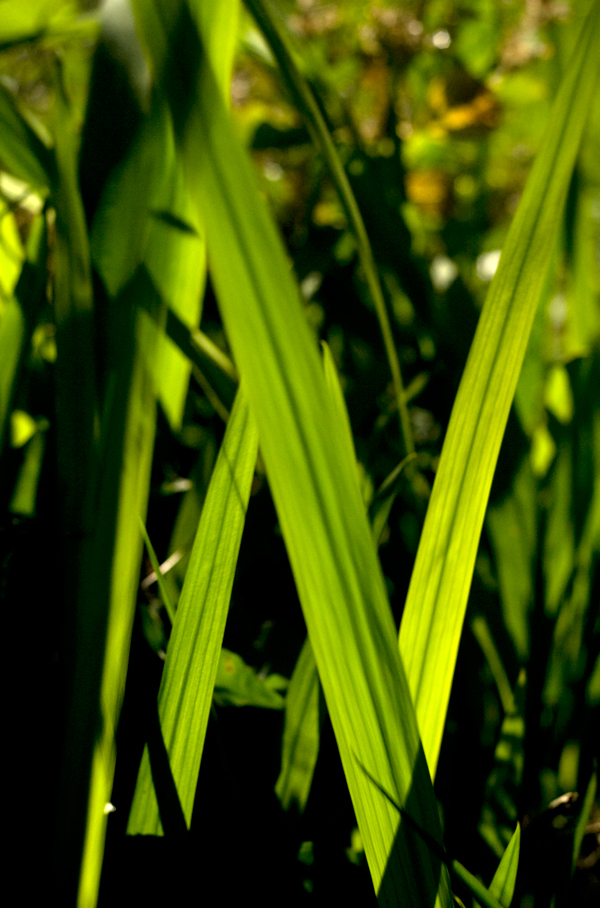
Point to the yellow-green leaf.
(314, 482)
(435, 607)
(195, 645)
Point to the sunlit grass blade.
(301, 732)
(110, 564)
(502, 886)
(303, 97)
(436, 602)
(188, 517)
(314, 482)
(195, 645)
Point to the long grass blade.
(195, 645)
(313, 479)
(164, 592)
(303, 97)
(434, 612)
(502, 886)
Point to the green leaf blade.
(436, 602)
(502, 886)
(313, 479)
(194, 648)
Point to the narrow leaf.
(502, 886)
(195, 645)
(313, 479)
(159, 575)
(105, 569)
(332, 380)
(435, 607)
(303, 97)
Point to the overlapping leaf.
(194, 648)
(313, 479)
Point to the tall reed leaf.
(301, 92)
(313, 479)
(188, 679)
(126, 479)
(435, 607)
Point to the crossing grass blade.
(435, 607)
(159, 575)
(314, 482)
(303, 97)
(194, 648)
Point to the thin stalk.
(307, 105)
(159, 574)
(481, 632)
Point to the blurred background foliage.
(437, 109)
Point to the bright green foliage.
(303, 97)
(237, 684)
(194, 648)
(502, 886)
(117, 269)
(433, 616)
(343, 427)
(314, 485)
